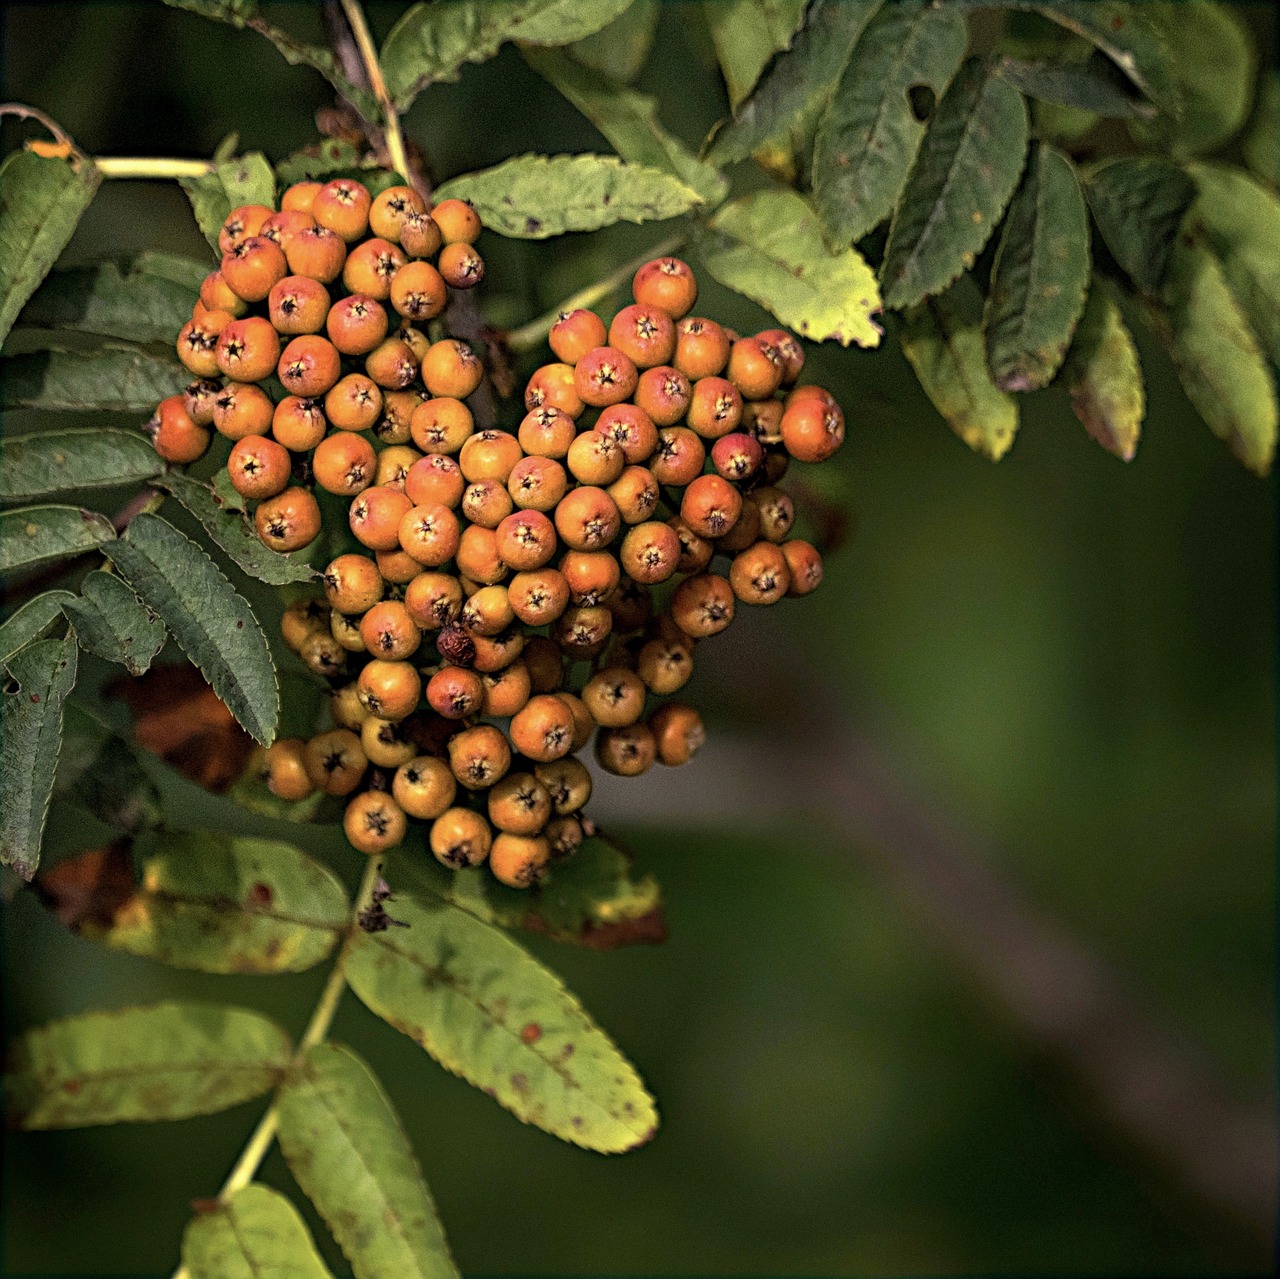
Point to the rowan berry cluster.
(508, 595)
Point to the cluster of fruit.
(539, 567)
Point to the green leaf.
(1261, 144)
(347, 1150)
(1040, 276)
(40, 677)
(619, 51)
(165, 1061)
(942, 339)
(116, 379)
(139, 303)
(334, 159)
(1104, 377)
(34, 534)
(223, 905)
(869, 134)
(256, 1234)
(1240, 221)
(1096, 86)
(43, 200)
(1219, 361)
(1214, 66)
(31, 621)
(212, 623)
(1138, 203)
(111, 623)
(247, 180)
(58, 461)
(431, 42)
(488, 1011)
(962, 178)
(746, 34)
(536, 196)
(773, 251)
(233, 532)
(101, 771)
(629, 121)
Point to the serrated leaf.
(165, 1061)
(40, 677)
(212, 623)
(59, 461)
(964, 173)
(140, 303)
(346, 1148)
(773, 251)
(110, 622)
(488, 1011)
(1138, 203)
(42, 201)
(532, 197)
(247, 180)
(31, 621)
(1240, 221)
(116, 379)
(1219, 362)
(1096, 86)
(746, 34)
(1261, 144)
(620, 50)
(431, 42)
(101, 771)
(234, 534)
(942, 339)
(629, 121)
(35, 534)
(1103, 375)
(255, 1234)
(869, 134)
(1040, 275)
(224, 905)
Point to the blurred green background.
(1070, 659)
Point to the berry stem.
(115, 166)
(528, 336)
(369, 56)
(259, 1143)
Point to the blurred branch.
(111, 166)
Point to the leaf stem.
(530, 335)
(369, 56)
(116, 166)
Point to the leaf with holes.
(869, 134)
(772, 250)
(256, 1233)
(116, 379)
(1138, 203)
(532, 197)
(41, 676)
(111, 623)
(746, 35)
(58, 461)
(1104, 377)
(619, 51)
(246, 180)
(212, 623)
(43, 201)
(1040, 275)
(488, 1011)
(964, 173)
(942, 339)
(35, 534)
(346, 1148)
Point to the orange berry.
(575, 333)
(175, 436)
(249, 349)
(370, 267)
(374, 822)
(460, 266)
(352, 583)
(430, 534)
(253, 267)
(354, 403)
(434, 480)
(451, 368)
(553, 386)
(418, 292)
(300, 196)
(309, 366)
(356, 324)
(391, 690)
(441, 425)
(663, 393)
(587, 519)
(258, 467)
(342, 206)
(344, 464)
(458, 221)
(392, 208)
(298, 305)
(702, 348)
(668, 284)
(241, 223)
(316, 253)
(805, 566)
(812, 431)
(242, 408)
(289, 521)
(375, 517)
(604, 376)
(645, 334)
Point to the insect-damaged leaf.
(59, 461)
(34, 534)
(347, 1150)
(111, 623)
(116, 379)
(164, 1061)
(1104, 377)
(255, 1234)
(488, 1011)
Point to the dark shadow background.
(1058, 674)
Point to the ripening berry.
(679, 457)
(567, 782)
(554, 386)
(488, 611)
(346, 630)
(754, 368)
(759, 575)
(342, 206)
(352, 584)
(486, 502)
(702, 348)
(545, 664)
(241, 223)
(665, 665)
(632, 609)
(537, 483)
(460, 837)
(397, 567)
(595, 459)
(418, 292)
(645, 334)
(298, 305)
(664, 394)
(435, 480)
(525, 540)
(615, 697)
(635, 493)
(537, 597)
(198, 343)
(812, 431)
(300, 196)
(335, 761)
(345, 708)
(289, 521)
(301, 619)
(370, 267)
(631, 429)
(253, 267)
(375, 517)
(217, 295)
(284, 769)
(392, 208)
(489, 455)
(356, 324)
(506, 691)
(309, 366)
(441, 425)
(703, 605)
(583, 631)
(587, 519)
(389, 632)
(258, 467)
(458, 221)
(451, 368)
(575, 333)
(248, 350)
(650, 553)
(543, 728)
(430, 534)
(737, 457)
(604, 376)
(496, 652)
(281, 227)
(695, 551)
(678, 732)
(592, 576)
(318, 254)
(519, 805)
(668, 284)
(460, 266)
(565, 835)
(385, 743)
(715, 408)
(390, 690)
(424, 787)
(392, 364)
(392, 426)
(455, 693)
(583, 723)
(354, 403)
(745, 533)
(374, 822)
(546, 432)
(805, 566)
(479, 756)
(200, 400)
(394, 465)
(324, 654)
(477, 555)
(777, 513)
(518, 860)
(420, 236)
(175, 436)
(710, 506)
(626, 752)
(433, 600)
(790, 351)
(299, 424)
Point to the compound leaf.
(963, 175)
(488, 1011)
(532, 197)
(40, 678)
(212, 623)
(1104, 377)
(746, 34)
(165, 1061)
(43, 200)
(255, 1234)
(773, 251)
(58, 461)
(31, 621)
(34, 534)
(116, 379)
(347, 1150)
(111, 623)
(246, 180)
